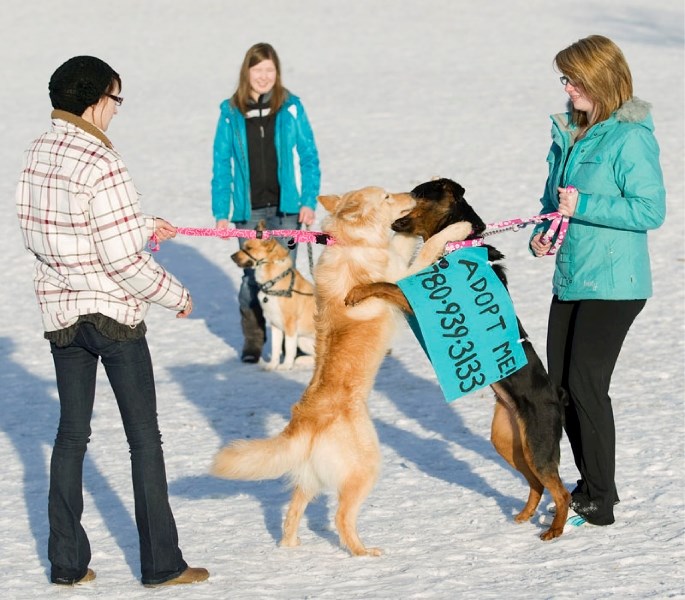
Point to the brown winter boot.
(190, 575)
(89, 576)
(254, 331)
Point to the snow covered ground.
(398, 91)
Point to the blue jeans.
(129, 369)
(247, 296)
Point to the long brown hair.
(597, 65)
(256, 54)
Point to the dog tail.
(268, 458)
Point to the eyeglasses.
(117, 99)
(566, 81)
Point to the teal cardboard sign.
(465, 321)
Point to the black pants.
(584, 339)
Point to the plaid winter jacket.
(80, 217)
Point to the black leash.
(267, 286)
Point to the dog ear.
(456, 189)
(476, 222)
(329, 202)
(465, 211)
(474, 219)
(261, 226)
(461, 208)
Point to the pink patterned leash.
(558, 227)
(295, 236)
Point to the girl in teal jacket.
(604, 174)
(297, 167)
(615, 168)
(266, 168)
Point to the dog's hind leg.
(510, 440)
(298, 503)
(548, 476)
(305, 344)
(290, 347)
(506, 437)
(351, 495)
(561, 497)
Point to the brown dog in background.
(286, 298)
(330, 441)
(527, 423)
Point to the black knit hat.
(79, 83)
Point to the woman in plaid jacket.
(80, 217)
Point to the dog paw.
(367, 551)
(290, 542)
(268, 366)
(304, 361)
(356, 295)
(458, 232)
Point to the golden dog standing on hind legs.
(330, 441)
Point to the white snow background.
(398, 91)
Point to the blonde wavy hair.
(256, 54)
(597, 64)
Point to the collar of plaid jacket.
(82, 124)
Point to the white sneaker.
(573, 520)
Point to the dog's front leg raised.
(404, 245)
(384, 290)
(434, 247)
(432, 250)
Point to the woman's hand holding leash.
(306, 216)
(164, 230)
(187, 309)
(224, 224)
(542, 243)
(568, 200)
(539, 247)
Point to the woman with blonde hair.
(604, 174)
(266, 168)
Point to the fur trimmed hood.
(633, 111)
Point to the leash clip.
(153, 243)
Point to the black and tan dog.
(527, 423)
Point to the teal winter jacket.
(621, 196)
(298, 162)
